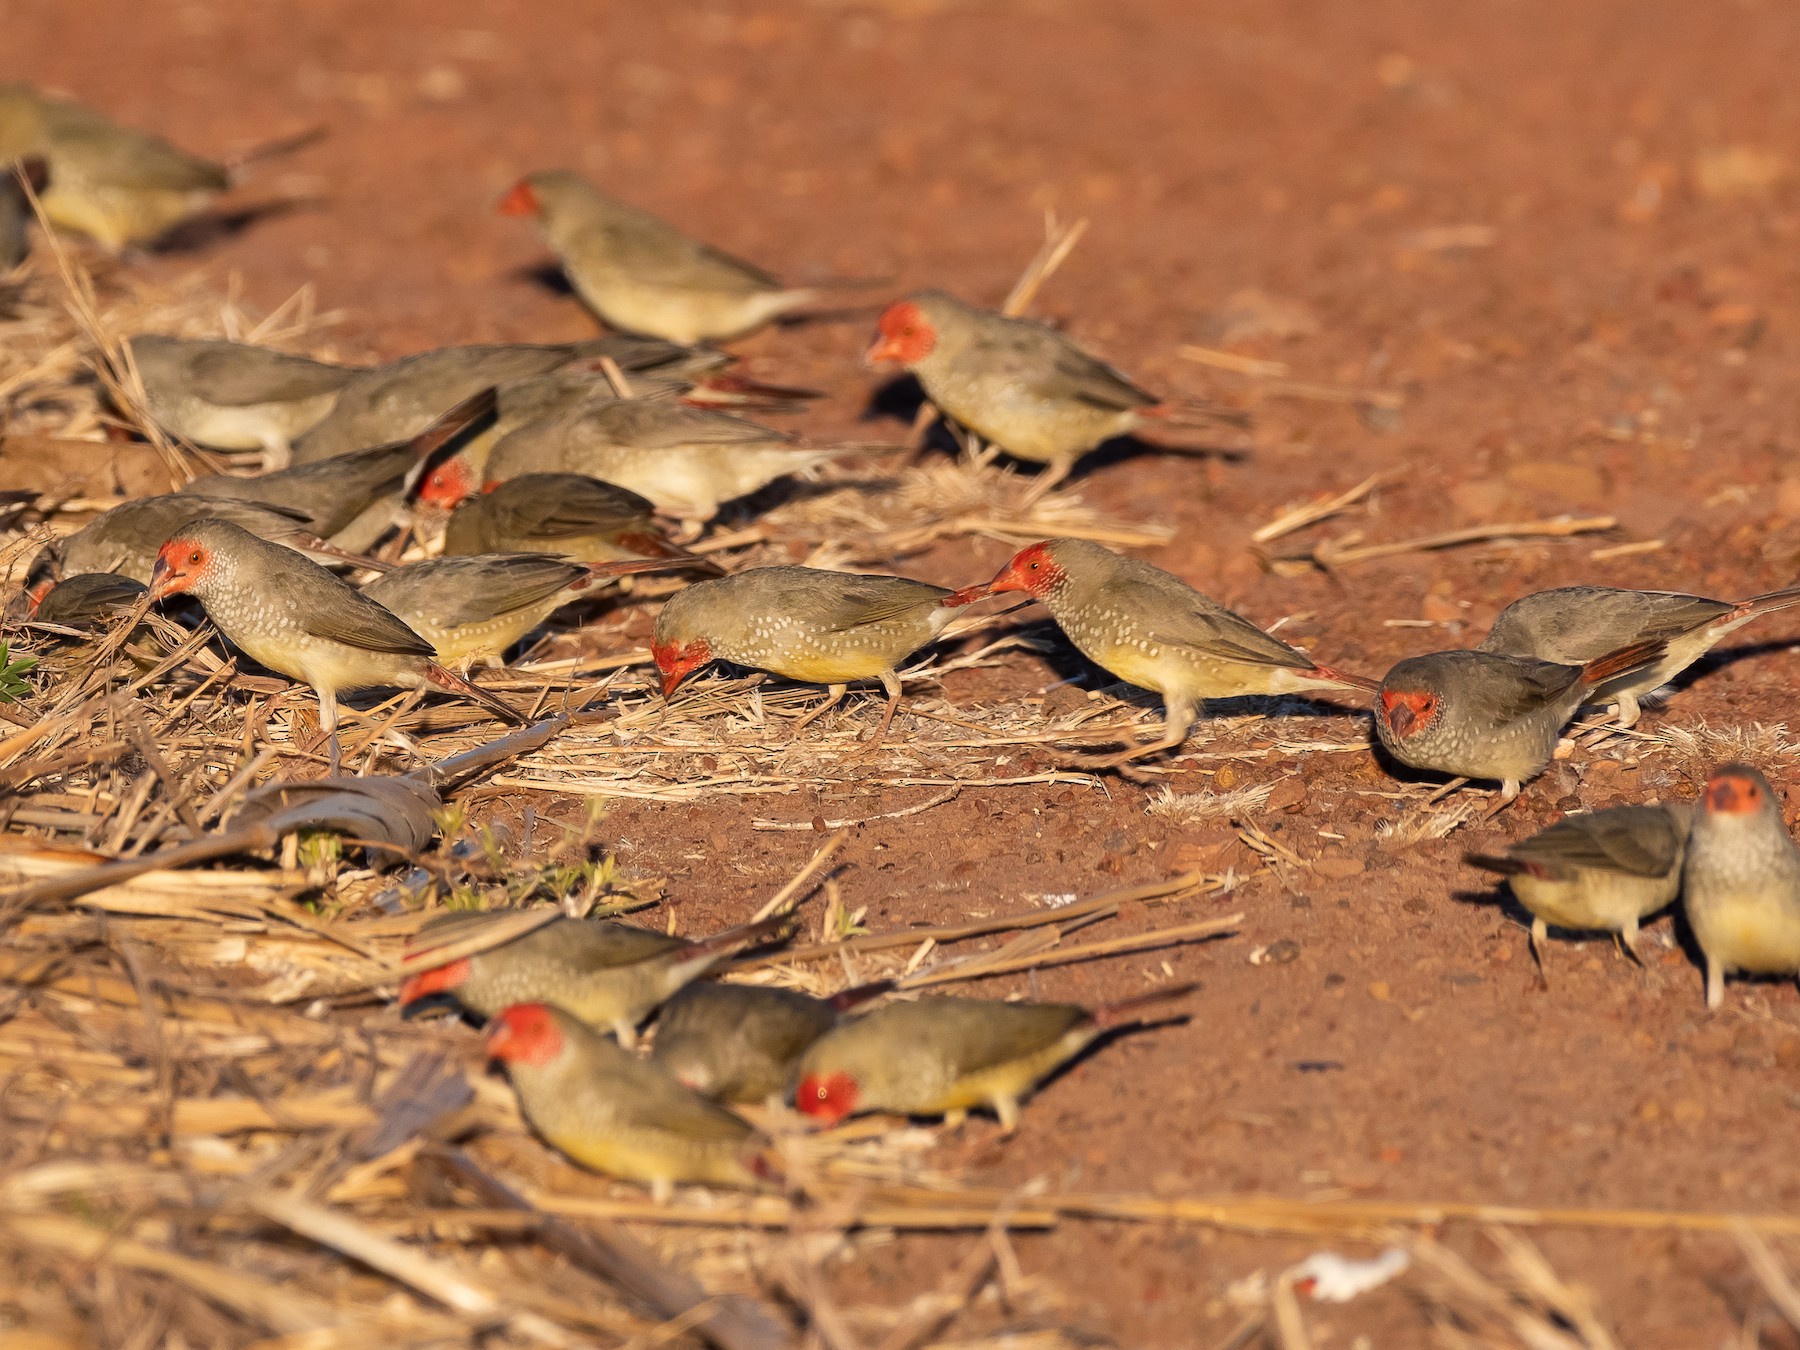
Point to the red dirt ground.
(1622, 339)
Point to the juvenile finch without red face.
(1577, 624)
(609, 974)
(611, 1111)
(642, 275)
(1016, 383)
(301, 621)
(830, 628)
(1150, 628)
(1740, 885)
(115, 185)
(234, 395)
(1484, 715)
(1605, 870)
(948, 1056)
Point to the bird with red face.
(948, 1056)
(1488, 716)
(609, 1110)
(801, 623)
(642, 275)
(301, 621)
(609, 974)
(1150, 628)
(1740, 885)
(1019, 384)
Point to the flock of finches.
(557, 466)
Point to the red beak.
(968, 595)
(1400, 717)
(521, 201)
(881, 351)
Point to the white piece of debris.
(1332, 1278)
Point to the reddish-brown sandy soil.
(1619, 336)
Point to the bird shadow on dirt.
(210, 228)
(547, 275)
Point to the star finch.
(342, 498)
(1150, 628)
(609, 974)
(1604, 870)
(126, 539)
(398, 400)
(116, 185)
(830, 628)
(610, 1111)
(301, 621)
(947, 1056)
(1575, 624)
(1483, 715)
(1016, 383)
(234, 395)
(642, 275)
(1741, 881)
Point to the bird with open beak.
(818, 627)
(1019, 384)
(1740, 885)
(301, 621)
(1150, 628)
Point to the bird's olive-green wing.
(1643, 841)
(564, 505)
(235, 377)
(661, 424)
(350, 617)
(478, 589)
(856, 602)
(655, 252)
(1193, 622)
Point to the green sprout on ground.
(13, 685)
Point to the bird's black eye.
(194, 557)
(1034, 567)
